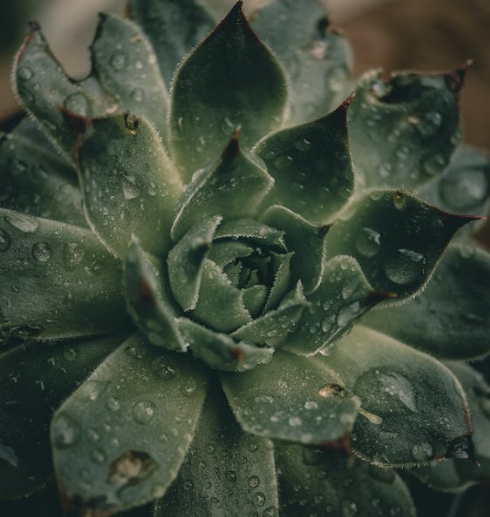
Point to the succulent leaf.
(37, 182)
(404, 131)
(33, 380)
(456, 474)
(127, 434)
(222, 466)
(127, 180)
(317, 58)
(148, 299)
(220, 351)
(232, 187)
(253, 232)
(230, 80)
(451, 313)
(405, 397)
(42, 259)
(397, 239)
(464, 186)
(124, 64)
(291, 398)
(341, 298)
(174, 28)
(306, 240)
(313, 479)
(311, 166)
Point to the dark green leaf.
(341, 298)
(46, 92)
(459, 473)
(58, 281)
(396, 238)
(34, 380)
(291, 398)
(403, 132)
(278, 323)
(220, 304)
(35, 181)
(312, 481)
(463, 187)
(127, 181)
(318, 60)
(254, 299)
(451, 314)
(413, 408)
(282, 280)
(185, 262)
(230, 80)
(148, 299)
(311, 166)
(226, 472)
(125, 65)
(174, 27)
(252, 232)
(224, 253)
(119, 440)
(305, 239)
(221, 351)
(233, 187)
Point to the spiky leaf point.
(452, 312)
(42, 259)
(221, 352)
(33, 380)
(311, 480)
(226, 470)
(291, 398)
(148, 298)
(230, 80)
(306, 240)
(127, 180)
(125, 65)
(127, 438)
(36, 182)
(174, 28)
(232, 187)
(317, 58)
(311, 166)
(252, 232)
(342, 297)
(404, 131)
(405, 395)
(397, 239)
(464, 186)
(457, 474)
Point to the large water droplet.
(73, 253)
(77, 103)
(253, 481)
(41, 251)
(368, 242)
(404, 266)
(144, 412)
(5, 240)
(464, 191)
(25, 73)
(22, 222)
(90, 391)
(66, 431)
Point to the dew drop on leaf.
(422, 452)
(144, 412)
(464, 191)
(404, 266)
(77, 103)
(66, 431)
(41, 252)
(118, 60)
(368, 242)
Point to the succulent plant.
(243, 296)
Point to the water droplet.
(93, 435)
(368, 242)
(66, 431)
(271, 511)
(98, 456)
(404, 266)
(22, 222)
(118, 60)
(9, 455)
(347, 314)
(130, 188)
(188, 485)
(90, 391)
(422, 452)
(231, 476)
(5, 241)
(311, 404)
(144, 412)
(295, 421)
(73, 253)
(26, 73)
(41, 252)
(138, 95)
(253, 481)
(259, 499)
(77, 103)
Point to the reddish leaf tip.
(455, 79)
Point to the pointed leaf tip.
(455, 79)
(232, 150)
